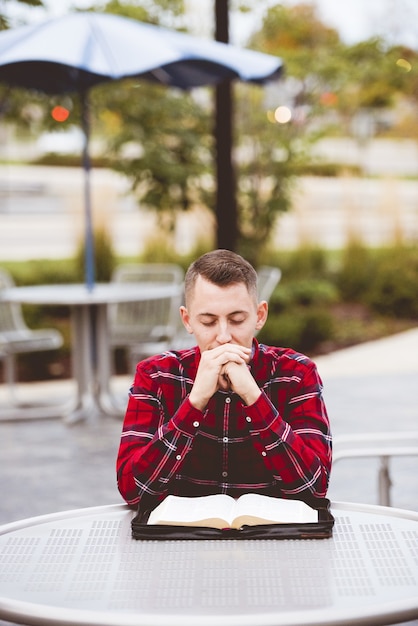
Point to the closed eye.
(208, 320)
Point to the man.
(229, 415)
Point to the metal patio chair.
(147, 327)
(268, 279)
(17, 338)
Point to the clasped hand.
(224, 367)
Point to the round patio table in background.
(90, 351)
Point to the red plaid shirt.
(280, 445)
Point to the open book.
(222, 511)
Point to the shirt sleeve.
(155, 437)
(294, 436)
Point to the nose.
(223, 335)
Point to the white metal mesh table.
(82, 567)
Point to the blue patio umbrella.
(80, 50)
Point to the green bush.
(301, 329)
(70, 160)
(300, 316)
(42, 271)
(384, 280)
(282, 330)
(393, 290)
(358, 266)
(319, 304)
(329, 169)
(302, 293)
(104, 256)
(313, 292)
(305, 262)
(160, 249)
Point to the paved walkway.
(372, 387)
(47, 466)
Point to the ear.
(262, 312)
(185, 318)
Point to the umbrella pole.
(89, 238)
(226, 203)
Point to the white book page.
(275, 509)
(179, 509)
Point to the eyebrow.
(240, 312)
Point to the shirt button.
(224, 474)
(264, 453)
(225, 439)
(178, 457)
(228, 400)
(248, 418)
(196, 424)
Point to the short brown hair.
(223, 268)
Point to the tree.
(327, 83)
(332, 75)
(169, 13)
(5, 21)
(311, 51)
(268, 157)
(270, 154)
(12, 101)
(160, 140)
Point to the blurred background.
(325, 166)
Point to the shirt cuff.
(261, 415)
(188, 419)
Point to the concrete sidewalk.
(396, 354)
(47, 466)
(372, 387)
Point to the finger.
(243, 351)
(224, 383)
(232, 356)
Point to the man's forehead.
(207, 297)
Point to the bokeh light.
(60, 113)
(404, 64)
(282, 115)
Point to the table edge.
(122, 507)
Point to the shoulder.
(168, 362)
(286, 358)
